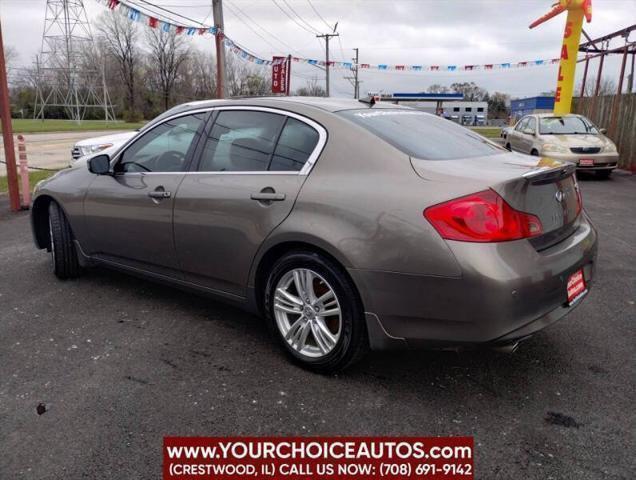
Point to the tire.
(604, 174)
(319, 353)
(508, 147)
(534, 153)
(63, 253)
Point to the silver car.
(571, 138)
(346, 225)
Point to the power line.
(319, 16)
(293, 19)
(236, 7)
(300, 17)
(238, 17)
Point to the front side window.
(256, 141)
(422, 135)
(164, 148)
(522, 124)
(531, 126)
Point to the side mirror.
(99, 165)
(603, 130)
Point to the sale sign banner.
(280, 75)
(327, 458)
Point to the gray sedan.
(346, 225)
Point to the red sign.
(576, 286)
(327, 458)
(280, 75)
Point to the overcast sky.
(394, 32)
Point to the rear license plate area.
(576, 287)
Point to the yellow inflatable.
(577, 9)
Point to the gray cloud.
(400, 31)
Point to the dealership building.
(526, 106)
(448, 105)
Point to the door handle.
(159, 194)
(268, 197)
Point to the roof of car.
(550, 114)
(329, 104)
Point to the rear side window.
(241, 140)
(422, 135)
(294, 147)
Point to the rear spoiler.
(545, 175)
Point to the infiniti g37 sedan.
(346, 225)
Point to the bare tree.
(120, 39)
(167, 54)
(607, 87)
(244, 80)
(312, 89)
(11, 56)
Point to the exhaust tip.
(507, 348)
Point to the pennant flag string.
(135, 15)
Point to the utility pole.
(7, 133)
(217, 13)
(354, 80)
(327, 37)
(356, 84)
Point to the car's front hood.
(576, 140)
(82, 161)
(115, 139)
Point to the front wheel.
(63, 253)
(314, 311)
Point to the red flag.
(152, 22)
(434, 67)
(180, 30)
(202, 31)
(399, 67)
(488, 66)
(112, 4)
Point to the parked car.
(97, 144)
(505, 131)
(571, 138)
(345, 225)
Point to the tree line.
(146, 71)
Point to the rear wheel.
(314, 312)
(63, 253)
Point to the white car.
(97, 144)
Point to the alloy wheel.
(307, 312)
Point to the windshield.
(566, 126)
(422, 135)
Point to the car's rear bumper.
(507, 291)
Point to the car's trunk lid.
(543, 187)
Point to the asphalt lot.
(119, 362)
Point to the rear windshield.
(422, 135)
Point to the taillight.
(482, 217)
(579, 198)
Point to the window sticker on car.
(380, 113)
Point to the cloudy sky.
(393, 32)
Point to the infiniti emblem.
(559, 196)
